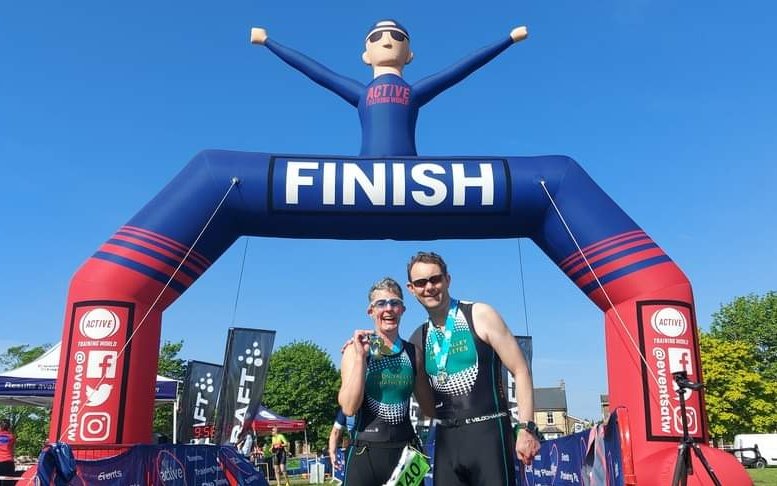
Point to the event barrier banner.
(245, 369)
(588, 458)
(168, 465)
(198, 402)
(238, 469)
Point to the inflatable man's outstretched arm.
(345, 87)
(429, 87)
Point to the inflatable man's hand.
(258, 35)
(519, 33)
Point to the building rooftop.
(550, 399)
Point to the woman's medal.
(376, 343)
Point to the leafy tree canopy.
(16, 356)
(751, 319)
(302, 382)
(170, 366)
(738, 398)
(29, 424)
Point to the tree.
(752, 319)
(30, 424)
(17, 356)
(302, 382)
(170, 366)
(738, 398)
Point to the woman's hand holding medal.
(363, 343)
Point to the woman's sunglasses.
(397, 36)
(383, 303)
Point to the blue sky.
(669, 106)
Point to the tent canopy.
(265, 419)
(33, 383)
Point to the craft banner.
(245, 369)
(198, 403)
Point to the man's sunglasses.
(398, 36)
(383, 303)
(434, 280)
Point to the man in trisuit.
(464, 345)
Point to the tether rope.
(234, 181)
(523, 289)
(239, 282)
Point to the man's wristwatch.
(530, 427)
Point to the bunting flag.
(245, 370)
(202, 384)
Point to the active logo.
(99, 324)
(170, 469)
(669, 321)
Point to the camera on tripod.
(683, 466)
(681, 378)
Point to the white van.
(767, 445)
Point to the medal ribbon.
(443, 343)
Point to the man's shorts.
(475, 454)
(279, 458)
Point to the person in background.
(245, 444)
(464, 345)
(341, 431)
(7, 443)
(278, 446)
(257, 453)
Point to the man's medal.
(442, 344)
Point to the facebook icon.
(101, 364)
(680, 360)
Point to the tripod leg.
(680, 476)
(707, 467)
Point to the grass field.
(764, 477)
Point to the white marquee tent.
(33, 383)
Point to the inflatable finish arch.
(648, 303)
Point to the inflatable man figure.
(388, 106)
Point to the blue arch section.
(311, 196)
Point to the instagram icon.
(95, 426)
